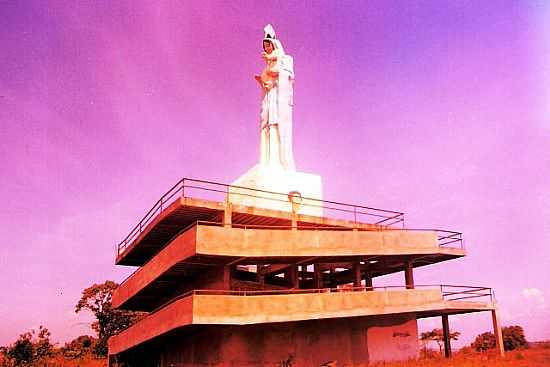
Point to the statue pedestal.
(280, 183)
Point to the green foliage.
(436, 335)
(80, 347)
(484, 342)
(30, 348)
(513, 338)
(98, 300)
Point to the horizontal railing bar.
(467, 297)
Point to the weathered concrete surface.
(177, 314)
(305, 344)
(271, 242)
(239, 310)
(243, 310)
(396, 343)
(181, 248)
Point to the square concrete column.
(357, 274)
(409, 279)
(318, 276)
(446, 336)
(227, 277)
(498, 333)
(260, 277)
(332, 277)
(293, 279)
(368, 281)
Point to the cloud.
(535, 295)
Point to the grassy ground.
(534, 357)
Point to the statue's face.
(268, 47)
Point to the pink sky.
(440, 109)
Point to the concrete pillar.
(294, 280)
(332, 278)
(409, 280)
(368, 277)
(259, 275)
(368, 280)
(227, 214)
(318, 276)
(446, 335)
(498, 332)
(356, 274)
(227, 277)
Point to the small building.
(229, 284)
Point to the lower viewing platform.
(211, 307)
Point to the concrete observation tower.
(264, 272)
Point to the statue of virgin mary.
(276, 83)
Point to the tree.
(98, 300)
(484, 342)
(29, 348)
(77, 348)
(436, 335)
(513, 337)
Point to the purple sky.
(440, 109)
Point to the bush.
(513, 338)
(80, 347)
(29, 349)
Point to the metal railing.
(219, 192)
(461, 292)
(449, 292)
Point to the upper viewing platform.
(190, 202)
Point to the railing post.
(409, 279)
(446, 335)
(497, 331)
(183, 187)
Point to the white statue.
(276, 81)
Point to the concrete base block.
(282, 182)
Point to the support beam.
(278, 268)
(357, 274)
(332, 277)
(498, 332)
(368, 279)
(293, 280)
(409, 279)
(446, 335)
(318, 276)
(227, 277)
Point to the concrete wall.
(264, 242)
(308, 343)
(393, 343)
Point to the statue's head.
(268, 46)
(270, 41)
